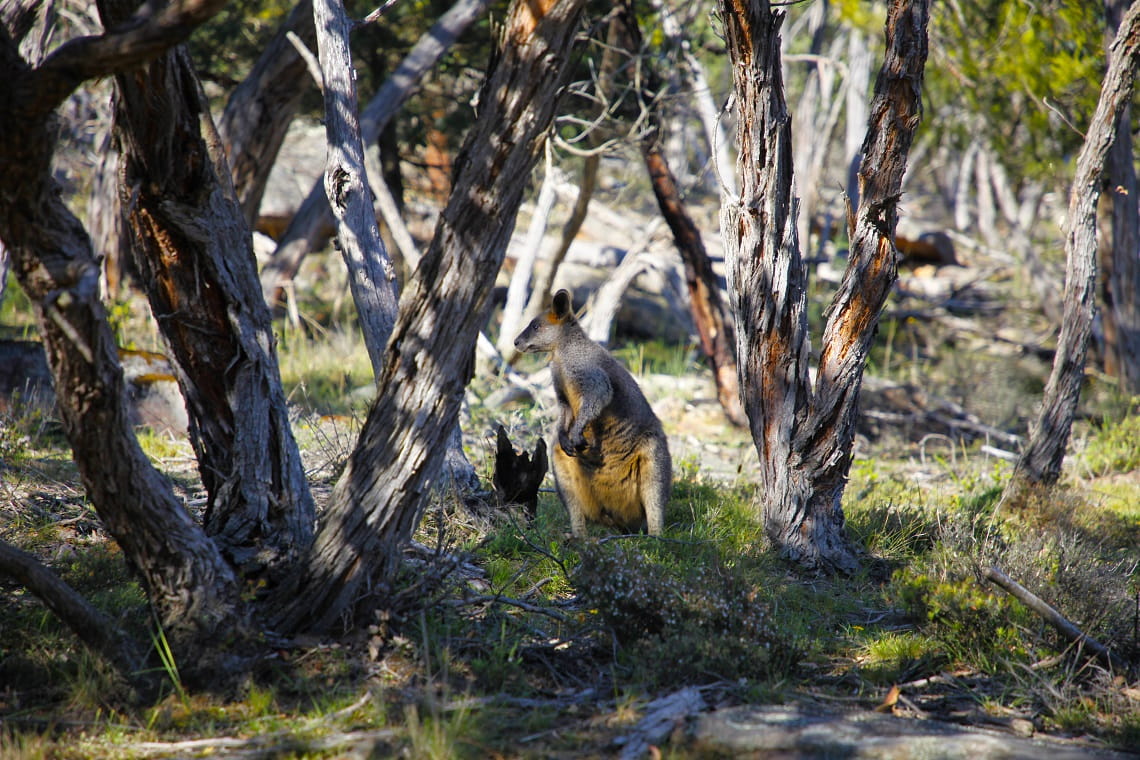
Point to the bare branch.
(94, 628)
(1053, 617)
(144, 36)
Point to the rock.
(790, 731)
(24, 375)
(152, 393)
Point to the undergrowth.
(501, 629)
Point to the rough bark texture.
(1041, 460)
(384, 489)
(804, 439)
(185, 577)
(194, 254)
(371, 275)
(313, 221)
(824, 443)
(260, 109)
(1120, 260)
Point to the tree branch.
(92, 627)
(144, 36)
(1053, 617)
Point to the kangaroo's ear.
(562, 306)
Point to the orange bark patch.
(527, 15)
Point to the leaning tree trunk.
(803, 438)
(371, 274)
(430, 358)
(260, 109)
(718, 341)
(1040, 462)
(194, 252)
(1120, 264)
(191, 586)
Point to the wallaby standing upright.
(611, 458)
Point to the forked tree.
(804, 434)
(194, 580)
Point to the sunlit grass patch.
(329, 374)
(657, 357)
(886, 657)
(1113, 446)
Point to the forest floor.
(507, 639)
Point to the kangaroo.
(611, 458)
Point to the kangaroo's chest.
(569, 395)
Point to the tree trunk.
(195, 257)
(309, 228)
(1120, 275)
(371, 275)
(824, 444)
(384, 489)
(261, 108)
(1040, 462)
(804, 440)
(192, 588)
(717, 337)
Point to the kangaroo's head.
(545, 332)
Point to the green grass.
(1114, 445)
(657, 357)
(471, 665)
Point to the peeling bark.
(191, 586)
(804, 438)
(195, 256)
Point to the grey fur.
(611, 459)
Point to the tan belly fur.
(608, 493)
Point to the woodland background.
(476, 628)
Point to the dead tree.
(1040, 462)
(803, 436)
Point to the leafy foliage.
(1024, 75)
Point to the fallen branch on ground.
(1054, 618)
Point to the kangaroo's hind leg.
(655, 483)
